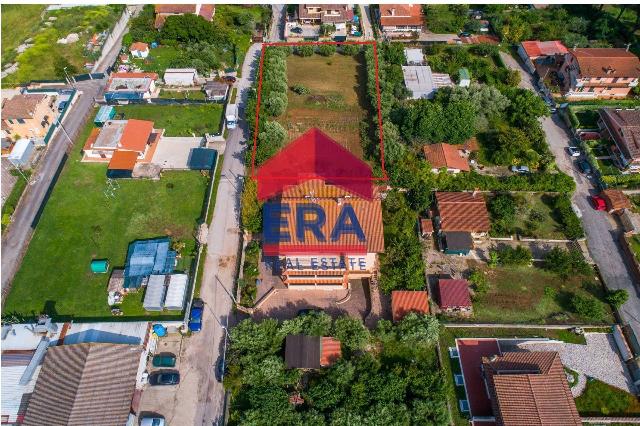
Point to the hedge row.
(630, 181)
(537, 182)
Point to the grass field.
(182, 94)
(601, 399)
(517, 295)
(159, 59)
(177, 120)
(38, 61)
(79, 223)
(548, 227)
(11, 202)
(335, 103)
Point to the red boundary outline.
(318, 43)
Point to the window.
(453, 353)
(10, 121)
(464, 405)
(459, 379)
(20, 120)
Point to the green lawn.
(79, 223)
(538, 206)
(177, 120)
(601, 399)
(588, 118)
(39, 61)
(517, 295)
(159, 59)
(182, 94)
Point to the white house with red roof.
(532, 51)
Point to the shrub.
(566, 262)
(617, 298)
(300, 89)
(519, 256)
(588, 307)
(276, 104)
(305, 50)
(550, 292)
(503, 209)
(479, 281)
(572, 226)
(350, 49)
(327, 50)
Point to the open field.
(79, 223)
(336, 100)
(177, 120)
(540, 206)
(517, 295)
(182, 94)
(159, 59)
(601, 399)
(46, 58)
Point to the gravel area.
(599, 358)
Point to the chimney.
(575, 46)
(393, 11)
(493, 358)
(627, 46)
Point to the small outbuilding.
(456, 242)
(464, 77)
(180, 76)
(616, 200)
(176, 292)
(154, 296)
(426, 227)
(99, 266)
(311, 352)
(105, 113)
(139, 50)
(453, 296)
(406, 301)
(216, 90)
(21, 152)
(414, 56)
(202, 159)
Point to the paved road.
(276, 32)
(16, 239)
(601, 230)
(366, 21)
(200, 398)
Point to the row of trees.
(307, 50)
(388, 376)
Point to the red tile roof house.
(163, 11)
(139, 50)
(445, 156)
(453, 296)
(598, 73)
(311, 352)
(337, 14)
(533, 51)
(405, 301)
(622, 127)
(461, 217)
(401, 19)
(122, 143)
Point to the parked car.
(520, 169)
(464, 34)
(296, 30)
(573, 151)
(195, 319)
(229, 79)
(62, 105)
(164, 378)
(221, 369)
(585, 167)
(598, 202)
(152, 421)
(164, 360)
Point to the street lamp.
(227, 291)
(69, 79)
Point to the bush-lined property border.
(319, 43)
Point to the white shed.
(154, 296)
(414, 56)
(21, 152)
(176, 292)
(180, 76)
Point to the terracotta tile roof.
(151, 75)
(462, 211)
(530, 388)
(471, 145)
(624, 127)
(136, 135)
(453, 293)
(91, 139)
(401, 14)
(140, 46)
(21, 106)
(302, 351)
(444, 155)
(207, 11)
(616, 199)
(602, 62)
(175, 8)
(405, 301)
(330, 351)
(345, 13)
(85, 384)
(426, 225)
(536, 48)
(123, 160)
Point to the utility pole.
(227, 291)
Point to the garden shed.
(147, 257)
(21, 153)
(202, 159)
(154, 296)
(176, 292)
(105, 113)
(99, 266)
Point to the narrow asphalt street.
(276, 31)
(200, 399)
(367, 19)
(602, 232)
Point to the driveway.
(599, 358)
(602, 234)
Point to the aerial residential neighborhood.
(293, 214)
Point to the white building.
(422, 83)
(139, 50)
(414, 57)
(21, 153)
(180, 76)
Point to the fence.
(118, 29)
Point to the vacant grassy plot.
(159, 59)
(517, 295)
(601, 399)
(177, 120)
(19, 21)
(536, 217)
(39, 61)
(335, 103)
(182, 94)
(79, 223)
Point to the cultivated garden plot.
(80, 223)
